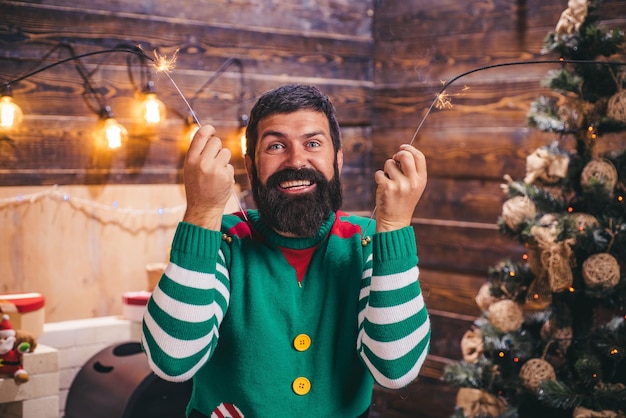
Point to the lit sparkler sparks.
(443, 100)
(164, 64)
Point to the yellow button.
(301, 386)
(302, 342)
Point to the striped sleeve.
(394, 327)
(182, 319)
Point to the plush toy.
(12, 345)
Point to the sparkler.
(166, 65)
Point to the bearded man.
(290, 309)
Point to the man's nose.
(296, 158)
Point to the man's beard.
(301, 214)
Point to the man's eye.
(313, 144)
(275, 146)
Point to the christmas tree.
(551, 341)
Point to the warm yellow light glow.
(10, 113)
(151, 110)
(190, 130)
(242, 141)
(111, 133)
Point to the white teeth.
(295, 183)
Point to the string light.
(243, 124)
(10, 113)
(151, 110)
(109, 133)
(191, 127)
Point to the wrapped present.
(25, 310)
(134, 305)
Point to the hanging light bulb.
(191, 127)
(110, 133)
(243, 124)
(151, 110)
(10, 113)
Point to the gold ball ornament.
(479, 403)
(484, 298)
(517, 210)
(582, 412)
(506, 315)
(563, 336)
(616, 107)
(601, 271)
(599, 171)
(535, 371)
(472, 346)
(584, 221)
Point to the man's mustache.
(289, 174)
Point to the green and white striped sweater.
(269, 326)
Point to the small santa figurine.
(11, 352)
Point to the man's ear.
(248, 162)
(340, 160)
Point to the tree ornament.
(599, 171)
(574, 112)
(582, 412)
(563, 336)
(535, 371)
(601, 271)
(472, 345)
(572, 18)
(479, 403)
(556, 256)
(616, 106)
(518, 210)
(484, 298)
(506, 315)
(546, 165)
(584, 221)
(539, 295)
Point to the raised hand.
(209, 178)
(400, 186)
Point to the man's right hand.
(209, 178)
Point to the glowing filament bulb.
(111, 134)
(10, 113)
(152, 110)
(114, 132)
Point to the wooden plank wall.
(326, 43)
(469, 147)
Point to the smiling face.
(296, 140)
(295, 173)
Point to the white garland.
(56, 194)
(91, 207)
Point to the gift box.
(134, 305)
(25, 310)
